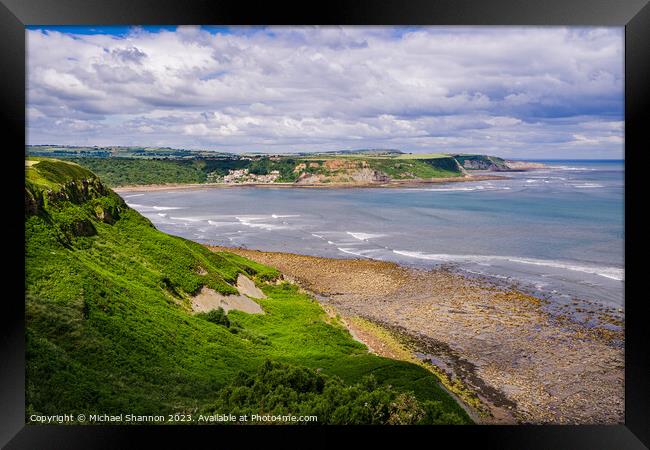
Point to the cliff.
(110, 324)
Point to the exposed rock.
(524, 165)
(246, 286)
(208, 299)
(33, 205)
(78, 191)
(83, 227)
(107, 215)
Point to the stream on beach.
(557, 232)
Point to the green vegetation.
(421, 156)
(120, 166)
(109, 326)
(217, 316)
(51, 175)
(401, 169)
(264, 166)
(284, 390)
(481, 162)
(121, 171)
(72, 151)
(124, 171)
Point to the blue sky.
(517, 92)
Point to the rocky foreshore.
(525, 365)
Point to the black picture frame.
(634, 15)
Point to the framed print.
(243, 219)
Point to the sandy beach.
(522, 364)
(391, 184)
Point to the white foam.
(264, 226)
(166, 208)
(132, 195)
(364, 236)
(249, 218)
(613, 273)
(186, 219)
(477, 188)
(162, 214)
(351, 251)
(463, 189)
(220, 224)
(483, 187)
(317, 236)
(278, 216)
(588, 185)
(571, 168)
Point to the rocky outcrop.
(339, 171)
(524, 165)
(366, 175)
(77, 191)
(83, 227)
(479, 165)
(107, 214)
(33, 202)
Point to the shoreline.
(519, 363)
(391, 184)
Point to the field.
(422, 156)
(110, 328)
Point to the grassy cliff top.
(110, 326)
(53, 174)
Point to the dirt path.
(524, 364)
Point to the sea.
(556, 232)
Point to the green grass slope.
(109, 327)
(417, 168)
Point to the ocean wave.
(613, 273)
(264, 226)
(587, 185)
(278, 216)
(470, 188)
(186, 219)
(166, 208)
(352, 251)
(486, 187)
(220, 224)
(132, 195)
(581, 169)
(364, 236)
(474, 188)
(162, 214)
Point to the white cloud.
(536, 91)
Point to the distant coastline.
(128, 168)
(351, 185)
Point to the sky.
(514, 92)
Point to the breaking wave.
(613, 273)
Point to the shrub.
(217, 316)
(281, 389)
